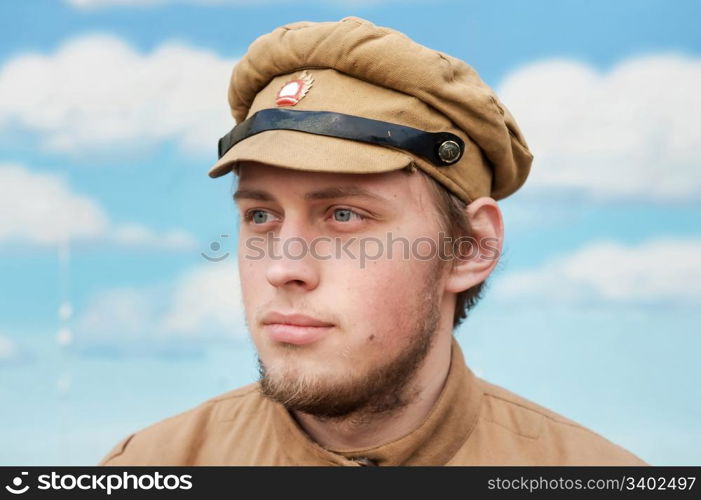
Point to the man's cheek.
(252, 273)
(381, 305)
(252, 295)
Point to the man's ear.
(477, 256)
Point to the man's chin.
(286, 363)
(323, 401)
(349, 392)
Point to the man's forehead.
(266, 183)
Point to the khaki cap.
(355, 68)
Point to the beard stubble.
(384, 389)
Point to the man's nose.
(292, 264)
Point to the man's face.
(373, 321)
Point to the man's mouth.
(295, 328)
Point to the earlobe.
(479, 252)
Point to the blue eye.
(257, 216)
(345, 214)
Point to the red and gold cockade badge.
(293, 91)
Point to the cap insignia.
(293, 91)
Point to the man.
(349, 135)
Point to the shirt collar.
(433, 442)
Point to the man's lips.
(293, 319)
(295, 328)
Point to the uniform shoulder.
(562, 441)
(172, 441)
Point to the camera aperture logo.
(215, 246)
(16, 487)
(102, 482)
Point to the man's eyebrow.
(342, 192)
(321, 194)
(252, 194)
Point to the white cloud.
(139, 236)
(628, 133)
(8, 349)
(203, 305)
(40, 208)
(658, 271)
(208, 296)
(120, 312)
(96, 93)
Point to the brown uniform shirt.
(472, 423)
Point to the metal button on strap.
(449, 151)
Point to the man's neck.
(360, 431)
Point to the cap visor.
(305, 151)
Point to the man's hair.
(455, 224)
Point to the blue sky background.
(110, 319)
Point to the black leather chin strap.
(439, 148)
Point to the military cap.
(352, 97)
